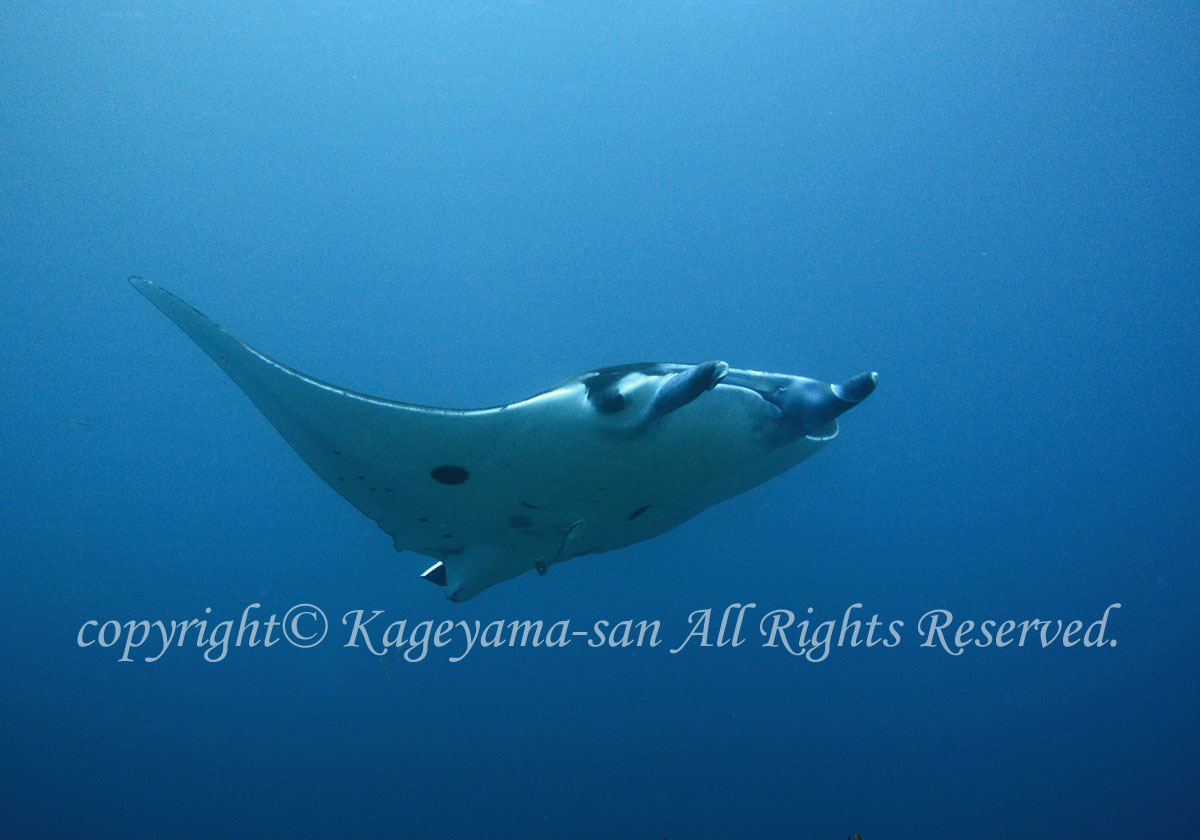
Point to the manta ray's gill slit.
(449, 474)
(638, 512)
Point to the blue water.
(462, 203)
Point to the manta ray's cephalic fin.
(685, 386)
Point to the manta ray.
(598, 462)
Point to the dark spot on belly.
(639, 512)
(359, 477)
(519, 521)
(341, 478)
(337, 452)
(449, 474)
(447, 536)
(422, 519)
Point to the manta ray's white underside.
(489, 494)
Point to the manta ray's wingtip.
(150, 291)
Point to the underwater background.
(463, 203)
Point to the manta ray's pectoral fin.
(681, 388)
(373, 452)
